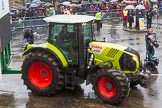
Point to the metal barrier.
(20, 24)
(112, 17)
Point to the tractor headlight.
(135, 58)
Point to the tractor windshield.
(66, 37)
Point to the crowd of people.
(63, 9)
(118, 8)
(147, 13)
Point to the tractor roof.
(69, 19)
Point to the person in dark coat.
(130, 18)
(139, 14)
(149, 15)
(29, 35)
(64, 35)
(150, 44)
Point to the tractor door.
(85, 36)
(64, 36)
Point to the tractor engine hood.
(123, 58)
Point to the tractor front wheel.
(111, 86)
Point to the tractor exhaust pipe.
(90, 61)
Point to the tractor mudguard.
(49, 48)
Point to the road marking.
(156, 74)
(121, 26)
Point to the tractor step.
(70, 79)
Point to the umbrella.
(28, 3)
(21, 8)
(98, 2)
(36, 1)
(130, 2)
(66, 3)
(154, 0)
(13, 9)
(73, 5)
(113, 0)
(140, 7)
(86, 3)
(75, 1)
(42, 2)
(129, 7)
(33, 6)
(48, 4)
(78, 5)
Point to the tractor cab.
(71, 34)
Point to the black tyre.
(111, 86)
(134, 84)
(150, 66)
(41, 73)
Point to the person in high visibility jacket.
(125, 17)
(98, 20)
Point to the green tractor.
(66, 63)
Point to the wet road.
(13, 94)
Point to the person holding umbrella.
(130, 15)
(125, 17)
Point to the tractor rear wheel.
(41, 73)
(111, 86)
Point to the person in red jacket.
(125, 17)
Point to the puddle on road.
(152, 95)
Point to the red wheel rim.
(40, 74)
(107, 87)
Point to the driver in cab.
(64, 35)
(66, 43)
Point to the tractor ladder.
(70, 77)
